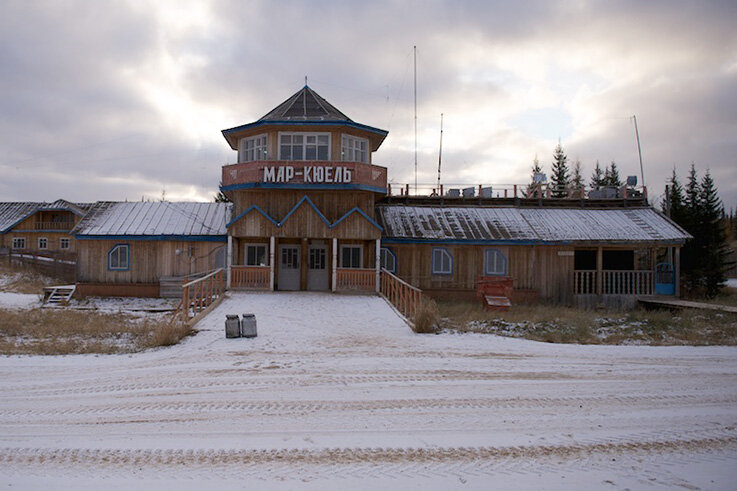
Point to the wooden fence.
(613, 282)
(406, 298)
(359, 279)
(199, 294)
(250, 277)
(59, 265)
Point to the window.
(388, 260)
(117, 258)
(253, 148)
(256, 255)
(304, 146)
(64, 243)
(43, 243)
(354, 149)
(19, 242)
(442, 261)
(351, 256)
(495, 264)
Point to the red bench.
(495, 292)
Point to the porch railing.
(624, 282)
(250, 277)
(406, 298)
(199, 294)
(54, 225)
(359, 279)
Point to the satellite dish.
(631, 181)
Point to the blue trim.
(432, 261)
(314, 207)
(399, 240)
(504, 258)
(127, 257)
(350, 124)
(392, 254)
(273, 185)
(299, 203)
(183, 238)
(363, 213)
(248, 210)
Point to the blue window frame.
(388, 260)
(442, 261)
(118, 258)
(495, 263)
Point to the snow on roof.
(12, 213)
(477, 223)
(161, 218)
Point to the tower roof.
(306, 105)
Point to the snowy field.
(338, 393)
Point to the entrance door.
(317, 267)
(289, 267)
(665, 283)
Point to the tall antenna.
(415, 75)
(440, 153)
(639, 150)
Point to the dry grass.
(20, 279)
(61, 332)
(556, 324)
(427, 319)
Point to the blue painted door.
(665, 283)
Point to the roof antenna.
(415, 76)
(440, 153)
(639, 150)
(305, 80)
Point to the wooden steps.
(171, 286)
(55, 295)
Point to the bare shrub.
(426, 319)
(22, 279)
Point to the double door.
(290, 267)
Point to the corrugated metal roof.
(12, 213)
(161, 218)
(528, 224)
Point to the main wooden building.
(311, 211)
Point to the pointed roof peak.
(305, 105)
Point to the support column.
(272, 256)
(677, 271)
(228, 262)
(653, 263)
(335, 265)
(378, 265)
(599, 270)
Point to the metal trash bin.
(248, 326)
(232, 326)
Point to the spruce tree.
(714, 239)
(577, 179)
(692, 252)
(675, 199)
(536, 169)
(220, 196)
(597, 177)
(611, 176)
(560, 178)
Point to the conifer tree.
(713, 238)
(674, 200)
(577, 178)
(536, 169)
(560, 178)
(220, 196)
(597, 177)
(611, 176)
(692, 251)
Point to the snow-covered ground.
(337, 393)
(732, 282)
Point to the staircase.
(54, 295)
(171, 286)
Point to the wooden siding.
(149, 260)
(304, 222)
(533, 268)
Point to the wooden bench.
(495, 292)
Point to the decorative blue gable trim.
(362, 213)
(247, 211)
(306, 199)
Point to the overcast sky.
(106, 100)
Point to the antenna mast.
(639, 150)
(415, 80)
(440, 153)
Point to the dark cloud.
(81, 84)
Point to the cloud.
(122, 99)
